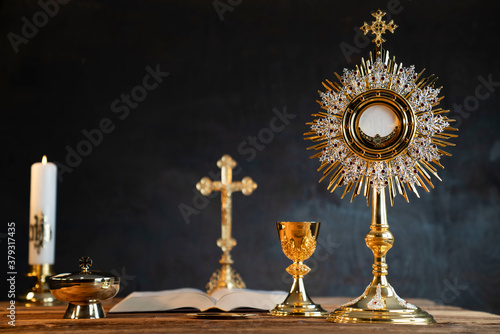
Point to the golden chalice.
(298, 241)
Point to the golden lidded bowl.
(84, 290)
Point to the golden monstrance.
(380, 131)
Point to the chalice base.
(298, 304)
(302, 310)
(380, 303)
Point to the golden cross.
(226, 277)
(378, 27)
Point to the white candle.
(42, 231)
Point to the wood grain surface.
(49, 320)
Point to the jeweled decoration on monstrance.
(381, 128)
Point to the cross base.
(225, 278)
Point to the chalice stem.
(298, 290)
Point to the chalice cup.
(298, 241)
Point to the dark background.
(120, 204)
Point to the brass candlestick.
(298, 241)
(41, 234)
(39, 293)
(226, 276)
(380, 128)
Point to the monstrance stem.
(379, 302)
(379, 239)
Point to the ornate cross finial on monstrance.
(226, 277)
(378, 27)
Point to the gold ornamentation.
(298, 269)
(377, 302)
(377, 140)
(378, 27)
(299, 252)
(400, 161)
(85, 263)
(298, 241)
(380, 302)
(403, 302)
(225, 274)
(40, 232)
(404, 160)
(39, 293)
(226, 277)
(354, 301)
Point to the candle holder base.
(39, 293)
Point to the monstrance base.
(380, 304)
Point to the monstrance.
(380, 130)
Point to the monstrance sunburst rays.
(409, 167)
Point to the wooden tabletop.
(49, 320)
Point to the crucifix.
(226, 277)
(378, 27)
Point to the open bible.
(187, 298)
